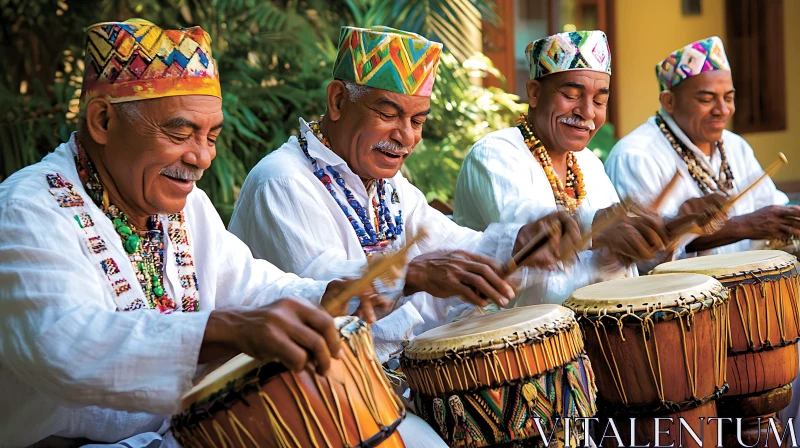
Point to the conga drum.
(764, 328)
(245, 403)
(483, 381)
(657, 344)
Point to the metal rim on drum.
(643, 302)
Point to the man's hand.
(698, 210)
(631, 238)
(369, 300)
(293, 332)
(473, 277)
(772, 222)
(558, 233)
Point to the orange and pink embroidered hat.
(138, 60)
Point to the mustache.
(183, 171)
(392, 146)
(574, 120)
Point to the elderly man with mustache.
(542, 165)
(331, 198)
(118, 276)
(688, 134)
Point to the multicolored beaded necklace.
(567, 196)
(388, 229)
(145, 249)
(704, 179)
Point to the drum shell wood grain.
(492, 367)
(752, 309)
(354, 380)
(632, 358)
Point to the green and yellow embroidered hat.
(388, 59)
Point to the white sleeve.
(244, 280)
(293, 230)
(765, 193)
(497, 241)
(503, 188)
(635, 176)
(59, 331)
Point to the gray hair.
(131, 111)
(355, 91)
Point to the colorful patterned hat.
(137, 60)
(575, 50)
(698, 57)
(388, 59)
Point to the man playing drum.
(118, 276)
(522, 173)
(325, 202)
(688, 134)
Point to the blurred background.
(275, 61)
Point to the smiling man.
(522, 173)
(328, 200)
(688, 134)
(118, 276)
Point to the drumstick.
(599, 227)
(528, 249)
(769, 172)
(694, 225)
(658, 202)
(386, 265)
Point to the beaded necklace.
(568, 196)
(145, 248)
(704, 179)
(388, 229)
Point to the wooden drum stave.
(247, 403)
(764, 327)
(657, 346)
(482, 381)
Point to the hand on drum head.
(369, 300)
(472, 277)
(632, 238)
(293, 332)
(771, 222)
(557, 235)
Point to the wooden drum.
(658, 346)
(246, 403)
(483, 381)
(764, 327)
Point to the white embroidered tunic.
(643, 162)
(287, 216)
(68, 356)
(501, 181)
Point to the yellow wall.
(647, 32)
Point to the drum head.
(489, 330)
(643, 293)
(730, 264)
(241, 364)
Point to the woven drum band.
(663, 298)
(506, 413)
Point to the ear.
(98, 114)
(534, 87)
(667, 100)
(337, 95)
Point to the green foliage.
(275, 61)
